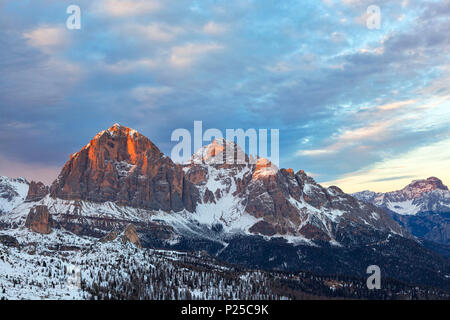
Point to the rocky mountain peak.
(123, 166)
(419, 187)
(36, 191)
(118, 130)
(264, 168)
(119, 143)
(220, 151)
(420, 196)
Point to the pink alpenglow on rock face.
(264, 168)
(123, 166)
(225, 151)
(418, 187)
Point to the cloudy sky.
(358, 107)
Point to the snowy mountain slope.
(64, 266)
(78, 209)
(264, 200)
(220, 201)
(12, 193)
(69, 267)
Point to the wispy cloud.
(125, 8)
(184, 55)
(126, 66)
(156, 31)
(350, 138)
(214, 28)
(47, 38)
(149, 92)
(396, 105)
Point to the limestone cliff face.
(295, 204)
(130, 235)
(123, 166)
(39, 220)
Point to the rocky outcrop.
(37, 191)
(125, 167)
(110, 236)
(39, 220)
(269, 198)
(197, 175)
(264, 228)
(9, 241)
(130, 235)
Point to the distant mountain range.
(253, 215)
(422, 208)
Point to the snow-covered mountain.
(422, 207)
(12, 193)
(253, 214)
(428, 195)
(262, 199)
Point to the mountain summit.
(422, 208)
(121, 165)
(418, 187)
(427, 195)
